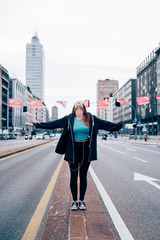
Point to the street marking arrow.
(150, 180)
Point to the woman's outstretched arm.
(106, 125)
(60, 123)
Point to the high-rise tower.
(35, 67)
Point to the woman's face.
(78, 111)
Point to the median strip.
(10, 152)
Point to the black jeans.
(81, 165)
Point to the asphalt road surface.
(123, 168)
(23, 180)
(129, 173)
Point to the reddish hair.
(85, 114)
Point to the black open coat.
(95, 125)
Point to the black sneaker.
(82, 205)
(74, 206)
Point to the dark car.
(11, 136)
(26, 137)
(104, 137)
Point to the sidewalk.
(150, 141)
(63, 224)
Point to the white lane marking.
(140, 159)
(122, 229)
(140, 177)
(130, 149)
(113, 149)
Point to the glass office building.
(35, 67)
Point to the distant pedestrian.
(81, 145)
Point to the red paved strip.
(63, 224)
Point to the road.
(23, 180)
(137, 201)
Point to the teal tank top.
(80, 130)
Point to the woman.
(81, 146)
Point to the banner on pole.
(158, 96)
(102, 104)
(63, 103)
(35, 103)
(14, 102)
(143, 100)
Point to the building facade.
(148, 85)
(54, 113)
(4, 99)
(40, 114)
(104, 89)
(35, 67)
(17, 118)
(127, 110)
(29, 112)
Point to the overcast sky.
(84, 41)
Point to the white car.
(39, 136)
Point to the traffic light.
(24, 108)
(87, 103)
(117, 104)
(106, 99)
(134, 125)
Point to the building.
(17, 118)
(35, 67)
(110, 109)
(4, 100)
(126, 95)
(148, 85)
(40, 114)
(29, 112)
(104, 89)
(158, 89)
(54, 113)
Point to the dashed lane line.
(139, 159)
(36, 219)
(113, 149)
(131, 149)
(122, 229)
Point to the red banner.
(102, 104)
(123, 100)
(14, 102)
(64, 103)
(143, 100)
(158, 96)
(120, 100)
(86, 103)
(126, 100)
(35, 103)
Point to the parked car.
(39, 136)
(104, 137)
(11, 136)
(46, 136)
(52, 135)
(3, 136)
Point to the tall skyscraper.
(35, 67)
